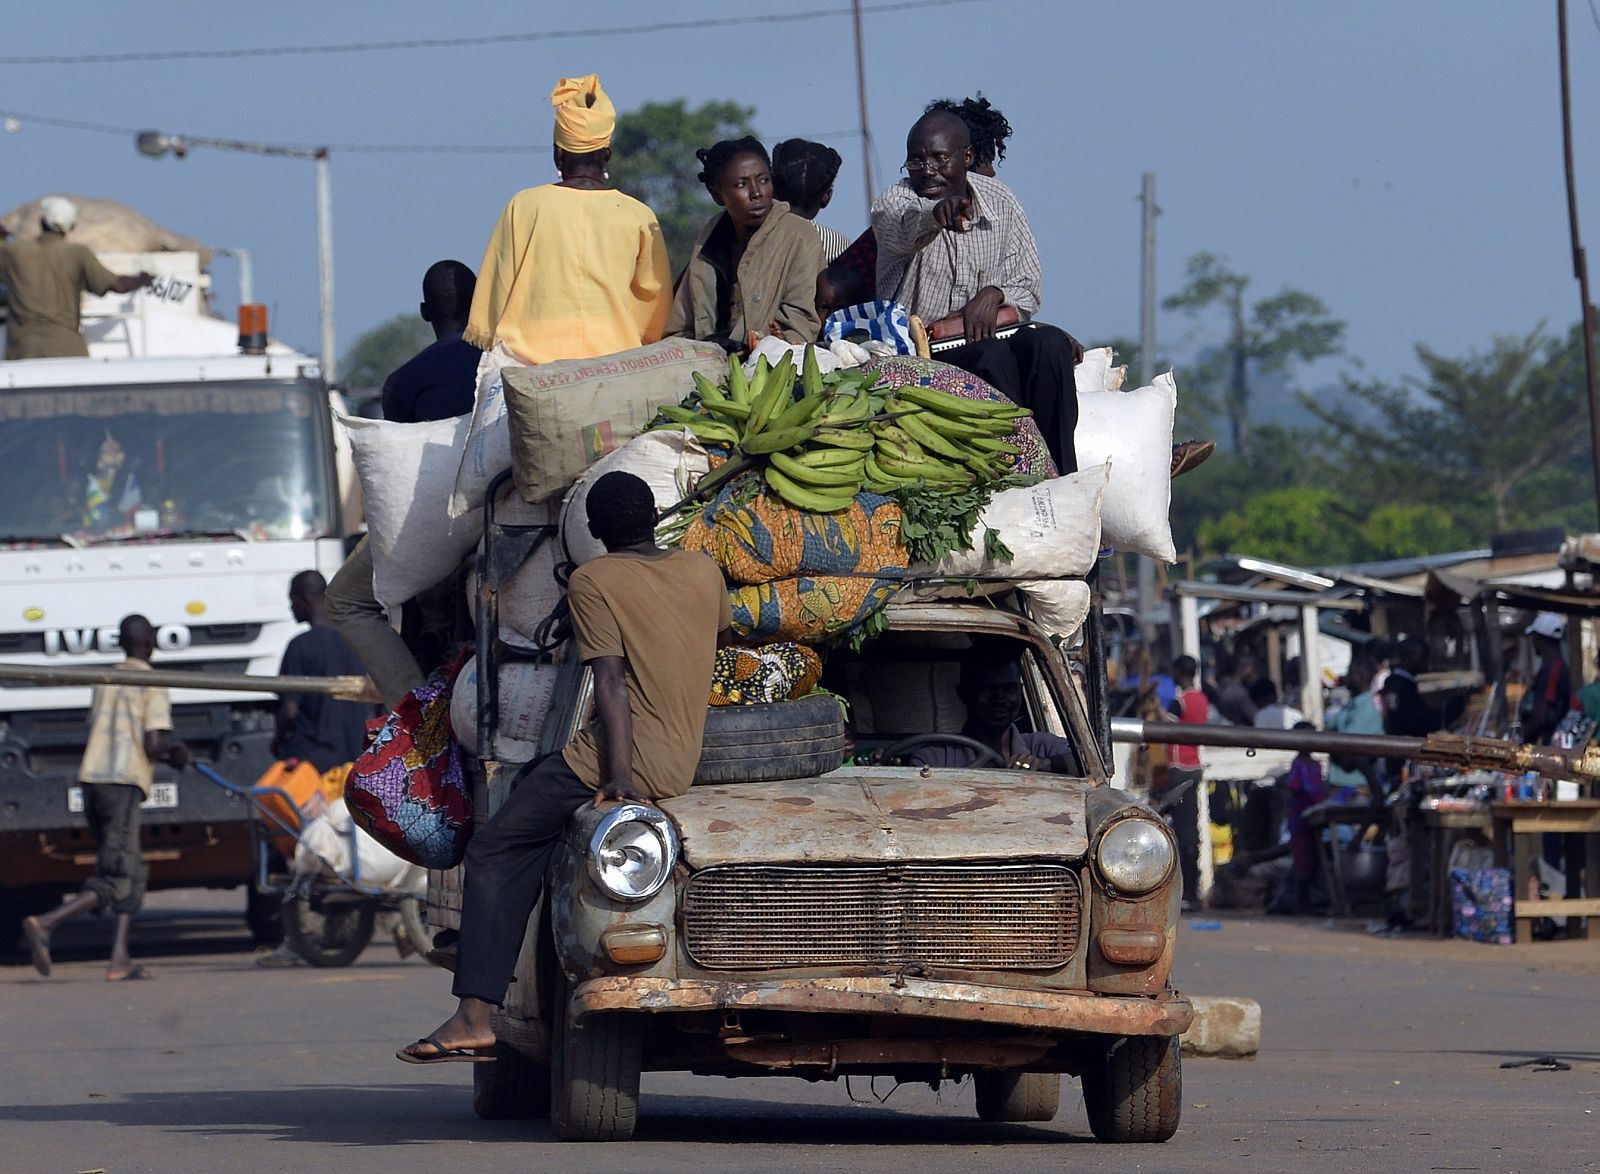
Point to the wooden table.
(1332, 816)
(1444, 828)
(1518, 830)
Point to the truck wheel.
(594, 1072)
(263, 913)
(1018, 1096)
(513, 1088)
(1135, 1090)
(327, 934)
(778, 740)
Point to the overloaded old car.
(810, 909)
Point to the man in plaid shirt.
(951, 241)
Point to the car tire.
(1134, 1091)
(327, 934)
(513, 1088)
(777, 740)
(1018, 1096)
(594, 1072)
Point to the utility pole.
(325, 264)
(1580, 265)
(861, 101)
(1147, 367)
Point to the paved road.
(1379, 1056)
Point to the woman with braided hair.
(803, 173)
(987, 127)
(753, 269)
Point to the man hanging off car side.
(652, 681)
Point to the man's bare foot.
(466, 1036)
(38, 944)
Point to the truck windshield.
(87, 465)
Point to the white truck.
(167, 474)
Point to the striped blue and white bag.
(883, 321)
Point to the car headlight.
(1135, 855)
(632, 852)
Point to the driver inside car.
(991, 688)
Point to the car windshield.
(111, 464)
(906, 686)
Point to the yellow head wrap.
(585, 117)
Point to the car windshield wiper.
(30, 539)
(175, 532)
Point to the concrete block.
(1223, 1026)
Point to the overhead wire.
(346, 148)
(145, 56)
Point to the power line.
(468, 42)
(352, 148)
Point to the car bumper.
(1167, 1014)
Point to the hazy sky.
(1402, 161)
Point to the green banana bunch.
(823, 478)
(803, 497)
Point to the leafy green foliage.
(653, 160)
(933, 525)
(376, 354)
(1272, 337)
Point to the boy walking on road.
(652, 683)
(130, 729)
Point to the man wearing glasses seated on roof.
(991, 688)
(953, 242)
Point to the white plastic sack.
(1132, 430)
(407, 472)
(325, 840)
(1096, 373)
(487, 452)
(774, 348)
(526, 694)
(1057, 605)
(1052, 529)
(669, 462)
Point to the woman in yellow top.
(574, 269)
(753, 270)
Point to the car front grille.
(1017, 917)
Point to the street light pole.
(155, 144)
(325, 264)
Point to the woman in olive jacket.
(753, 270)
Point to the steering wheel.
(986, 754)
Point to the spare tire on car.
(772, 741)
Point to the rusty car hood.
(878, 814)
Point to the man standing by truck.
(652, 683)
(323, 731)
(130, 728)
(44, 281)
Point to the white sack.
(487, 452)
(1132, 430)
(1052, 528)
(526, 694)
(1057, 605)
(669, 462)
(325, 840)
(407, 472)
(1091, 374)
(774, 348)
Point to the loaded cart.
(307, 857)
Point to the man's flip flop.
(444, 1055)
(137, 974)
(38, 946)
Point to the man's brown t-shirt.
(44, 281)
(661, 614)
